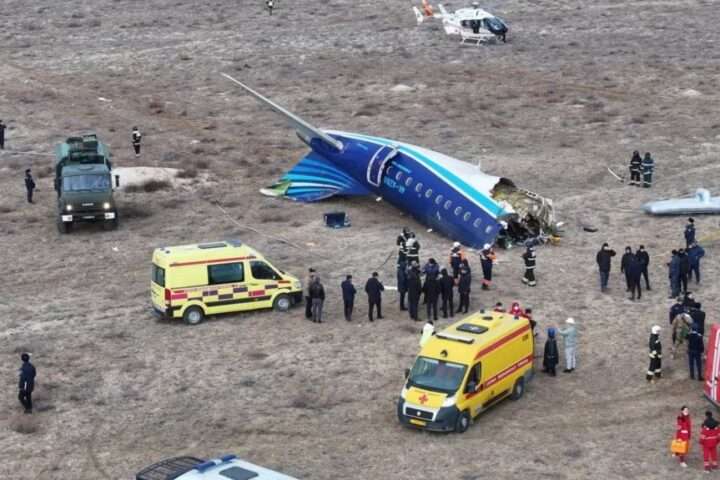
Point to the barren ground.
(579, 86)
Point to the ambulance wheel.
(282, 303)
(463, 422)
(518, 389)
(193, 315)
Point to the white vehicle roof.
(228, 467)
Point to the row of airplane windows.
(438, 199)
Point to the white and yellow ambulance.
(193, 281)
(465, 369)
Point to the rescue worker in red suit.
(515, 310)
(684, 426)
(709, 441)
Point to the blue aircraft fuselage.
(448, 195)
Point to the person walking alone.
(2, 135)
(27, 382)
(308, 301)
(550, 355)
(683, 428)
(655, 369)
(29, 185)
(374, 289)
(447, 283)
(709, 436)
(604, 260)
(136, 139)
(317, 297)
(348, 294)
(569, 335)
(529, 259)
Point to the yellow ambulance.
(465, 369)
(193, 281)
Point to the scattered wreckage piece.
(700, 203)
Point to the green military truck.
(83, 181)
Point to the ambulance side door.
(474, 393)
(227, 290)
(263, 284)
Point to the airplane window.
(477, 222)
(408, 182)
(399, 176)
(418, 187)
(438, 200)
(458, 210)
(467, 216)
(428, 194)
(448, 204)
(488, 229)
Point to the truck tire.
(518, 389)
(282, 303)
(64, 227)
(193, 315)
(463, 422)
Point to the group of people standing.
(684, 262)
(709, 438)
(644, 166)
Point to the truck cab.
(83, 182)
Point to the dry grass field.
(579, 85)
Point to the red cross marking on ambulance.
(424, 398)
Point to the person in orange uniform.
(682, 432)
(709, 441)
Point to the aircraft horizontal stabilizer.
(313, 179)
(306, 131)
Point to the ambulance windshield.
(437, 375)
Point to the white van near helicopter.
(472, 24)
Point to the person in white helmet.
(569, 335)
(655, 369)
(487, 258)
(456, 258)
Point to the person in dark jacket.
(635, 168)
(688, 300)
(348, 294)
(446, 291)
(464, 288)
(414, 287)
(2, 135)
(674, 274)
(431, 270)
(432, 292)
(550, 355)
(695, 253)
(487, 258)
(695, 351)
(29, 185)
(689, 232)
(698, 317)
(374, 290)
(136, 139)
(624, 261)
(402, 269)
(684, 269)
(655, 347)
(401, 243)
(529, 259)
(456, 258)
(317, 297)
(308, 301)
(648, 167)
(632, 272)
(676, 309)
(644, 260)
(603, 260)
(27, 382)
